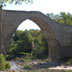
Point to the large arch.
(12, 19)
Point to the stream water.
(15, 66)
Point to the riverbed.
(17, 66)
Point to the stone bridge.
(59, 36)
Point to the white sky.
(45, 6)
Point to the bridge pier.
(0, 34)
(54, 51)
(2, 49)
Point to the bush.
(10, 57)
(23, 60)
(27, 67)
(69, 62)
(2, 62)
(39, 53)
(47, 60)
(8, 66)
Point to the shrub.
(27, 67)
(47, 60)
(2, 62)
(39, 53)
(10, 57)
(69, 62)
(23, 60)
(8, 66)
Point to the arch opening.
(38, 45)
(28, 24)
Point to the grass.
(29, 67)
(23, 60)
(23, 53)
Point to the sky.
(44, 6)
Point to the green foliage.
(27, 67)
(69, 62)
(21, 42)
(7, 66)
(62, 18)
(32, 41)
(12, 46)
(47, 60)
(40, 49)
(25, 43)
(2, 62)
(39, 52)
(10, 57)
(25, 60)
(25, 53)
(4, 2)
(17, 36)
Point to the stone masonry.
(59, 36)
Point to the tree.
(51, 15)
(22, 43)
(40, 49)
(67, 18)
(62, 18)
(4, 2)
(26, 39)
(17, 35)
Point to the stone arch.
(14, 18)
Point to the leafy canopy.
(28, 41)
(4, 2)
(62, 18)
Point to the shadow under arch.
(16, 17)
